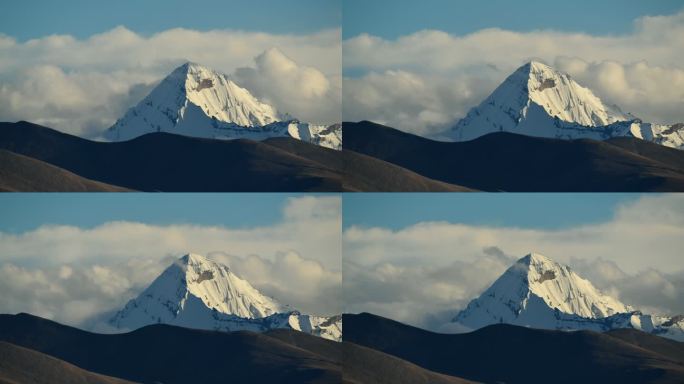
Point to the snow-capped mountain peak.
(222, 99)
(222, 290)
(565, 99)
(564, 290)
(541, 293)
(189, 99)
(532, 286)
(197, 101)
(197, 292)
(537, 100)
(194, 284)
(536, 94)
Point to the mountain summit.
(536, 287)
(191, 287)
(538, 292)
(196, 292)
(558, 95)
(537, 100)
(196, 101)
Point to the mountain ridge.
(150, 163)
(514, 354)
(153, 162)
(505, 161)
(153, 353)
(279, 355)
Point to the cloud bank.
(72, 274)
(426, 81)
(83, 86)
(425, 273)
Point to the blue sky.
(525, 210)
(393, 18)
(81, 18)
(26, 211)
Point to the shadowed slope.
(510, 162)
(22, 365)
(25, 174)
(365, 365)
(666, 347)
(512, 354)
(166, 162)
(365, 173)
(162, 353)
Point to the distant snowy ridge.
(537, 100)
(195, 292)
(199, 102)
(537, 292)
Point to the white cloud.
(72, 274)
(418, 291)
(650, 289)
(649, 91)
(83, 86)
(642, 71)
(418, 103)
(425, 273)
(86, 291)
(295, 89)
(301, 282)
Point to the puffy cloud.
(81, 103)
(423, 274)
(83, 86)
(650, 289)
(301, 282)
(418, 292)
(306, 207)
(75, 275)
(645, 90)
(641, 71)
(298, 90)
(418, 103)
(74, 293)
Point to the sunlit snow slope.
(196, 292)
(540, 293)
(537, 100)
(196, 101)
